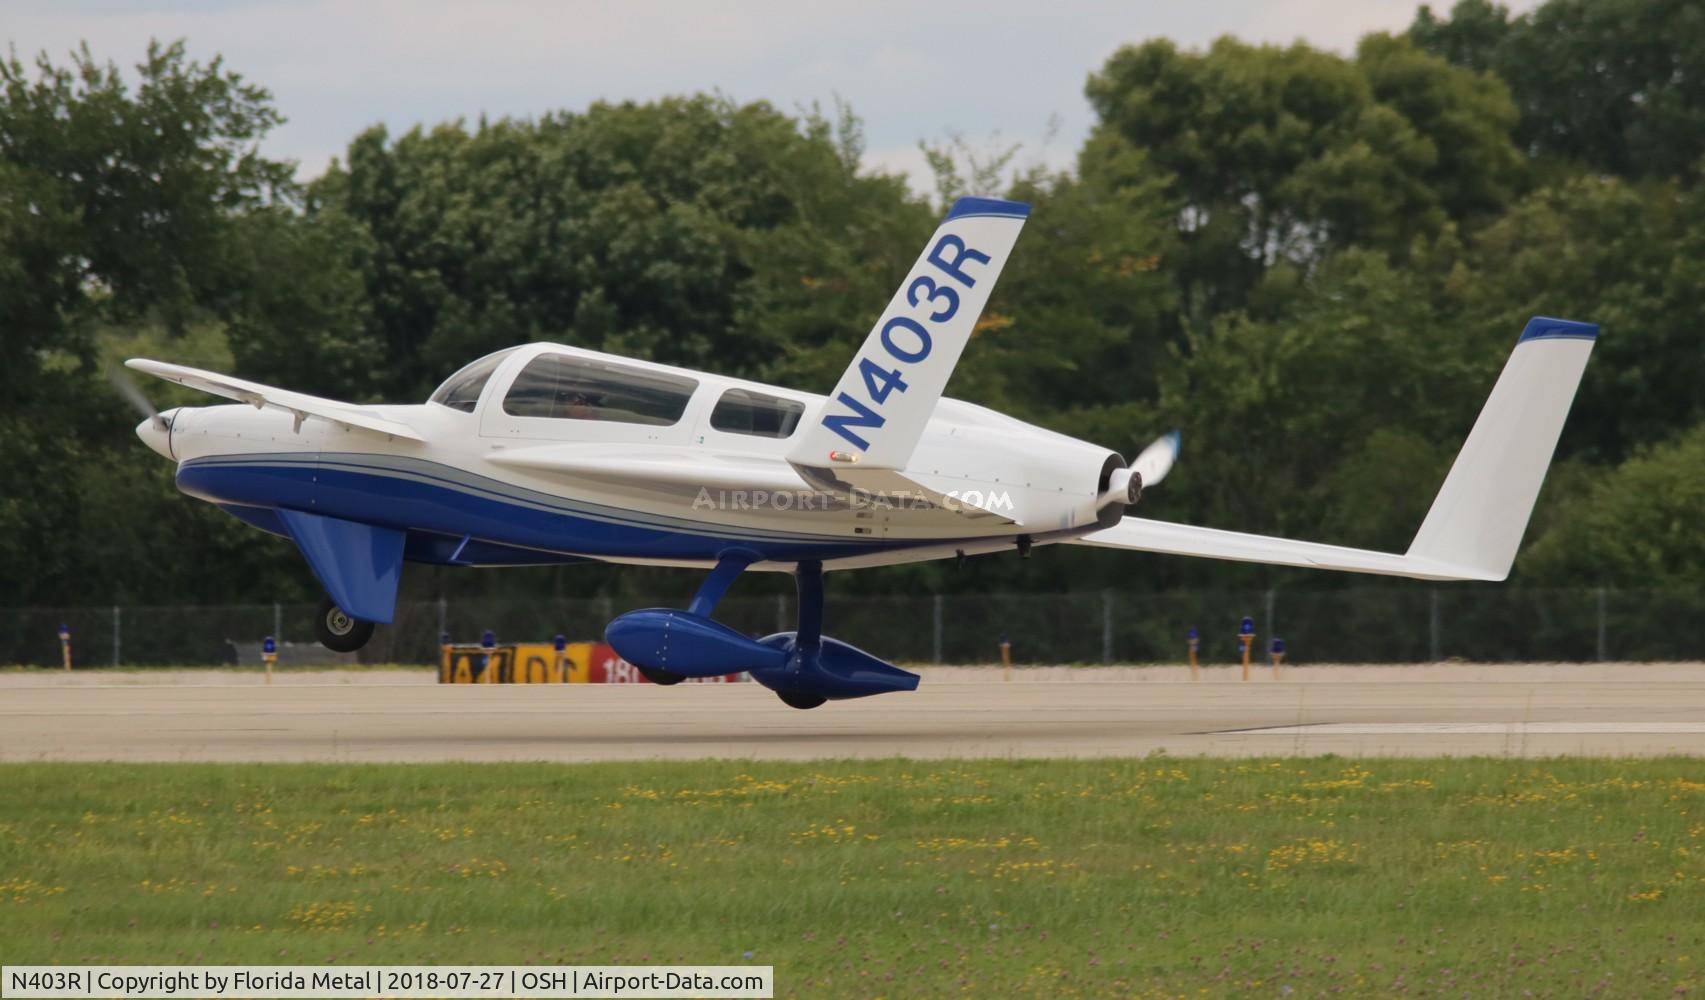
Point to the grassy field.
(1152, 877)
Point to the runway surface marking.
(1474, 728)
(1636, 714)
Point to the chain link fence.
(1357, 625)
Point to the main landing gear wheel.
(339, 632)
(663, 677)
(800, 699)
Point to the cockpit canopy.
(572, 386)
(461, 391)
(568, 387)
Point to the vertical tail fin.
(1482, 509)
(878, 410)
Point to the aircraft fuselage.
(490, 487)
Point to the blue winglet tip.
(1548, 328)
(968, 206)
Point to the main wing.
(1144, 535)
(300, 404)
(1478, 518)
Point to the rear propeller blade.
(1126, 485)
(1156, 460)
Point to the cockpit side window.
(461, 391)
(741, 411)
(570, 388)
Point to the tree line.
(1312, 264)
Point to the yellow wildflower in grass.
(978, 843)
(1041, 866)
(1310, 852)
(24, 890)
(475, 868)
(838, 831)
(1349, 777)
(326, 916)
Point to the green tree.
(121, 202)
(692, 230)
(1629, 257)
(302, 319)
(1085, 308)
(1281, 154)
(118, 207)
(1473, 35)
(1636, 526)
(1612, 85)
(1467, 119)
(1287, 421)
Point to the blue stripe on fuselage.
(458, 503)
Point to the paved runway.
(1530, 712)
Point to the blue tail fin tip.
(969, 206)
(1548, 328)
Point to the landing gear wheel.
(799, 699)
(339, 632)
(663, 677)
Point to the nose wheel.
(339, 632)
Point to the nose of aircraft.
(156, 433)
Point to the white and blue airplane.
(549, 454)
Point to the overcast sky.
(911, 70)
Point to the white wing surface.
(261, 396)
(1477, 520)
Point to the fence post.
(1433, 623)
(118, 631)
(1601, 627)
(935, 644)
(443, 615)
(1272, 618)
(1107, 626)
(781, 612)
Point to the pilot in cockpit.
(574, 404)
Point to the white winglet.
(878, 410)
(1478, 518)
(300, 404)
